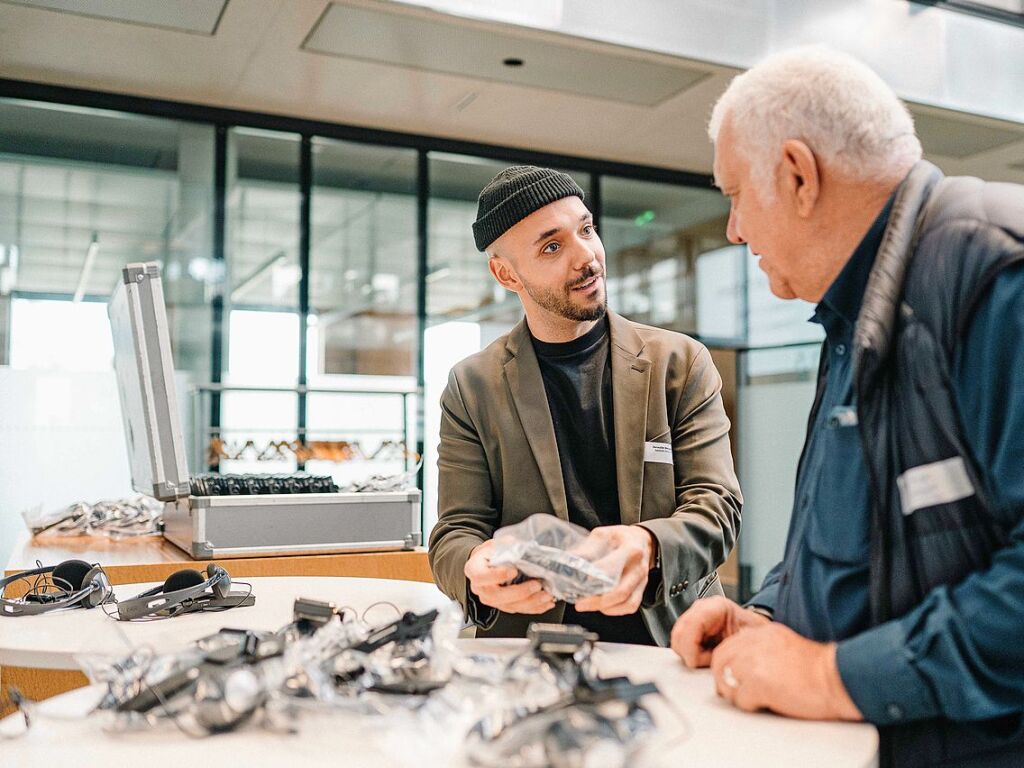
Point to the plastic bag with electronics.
(324, 658)
(344, 661)
(135, 516)
(589, 721)
(570, 563)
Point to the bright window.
(60, 335)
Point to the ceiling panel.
(195, 16)
(442, 44)
(951, 136)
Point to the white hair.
(835, 104)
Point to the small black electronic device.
(309, 614)
(558, 639)
(230, 645)
(151, 695)
(415, 675)
(186, 591)
(227, 645)
(412, 626)
(73, 583)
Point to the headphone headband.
(84, 594)
(156, 600)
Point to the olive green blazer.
(498, 464)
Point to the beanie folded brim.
(519, 203)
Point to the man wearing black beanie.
(580, 413)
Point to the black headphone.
(77, 584)
(185, 592)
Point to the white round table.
(53, 640)
(709, 733)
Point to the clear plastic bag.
(574, 736)
(136, 516)
(569, 562)
(402, 481)
(581, 721)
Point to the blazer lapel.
(631, 375)
(527, 387)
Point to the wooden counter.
(152, 558)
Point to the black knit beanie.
(513, 195)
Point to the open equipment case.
(210, 527)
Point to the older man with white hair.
(900, 595)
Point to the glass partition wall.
(321, 280)
(363, 342)
(259, 406)
(82, 193)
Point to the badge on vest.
(659, 453)
(940, 482)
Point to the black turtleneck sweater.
(578, 383)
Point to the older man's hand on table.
(759, 664)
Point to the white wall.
(445, 344)
(772, 421)
(61, 440)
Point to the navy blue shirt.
(959, 653)
(820, 589)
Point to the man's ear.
(798, 176)
(504, 273)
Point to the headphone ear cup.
(71, 575)
(221, 587)
(183, 580)
(96, 577)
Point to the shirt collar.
(843, 298)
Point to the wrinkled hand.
(632, 551)
(706, 624)
(772, 667)
(490, 583)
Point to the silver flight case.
(209, 527)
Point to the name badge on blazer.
(659, 453)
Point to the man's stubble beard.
(561, 304)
